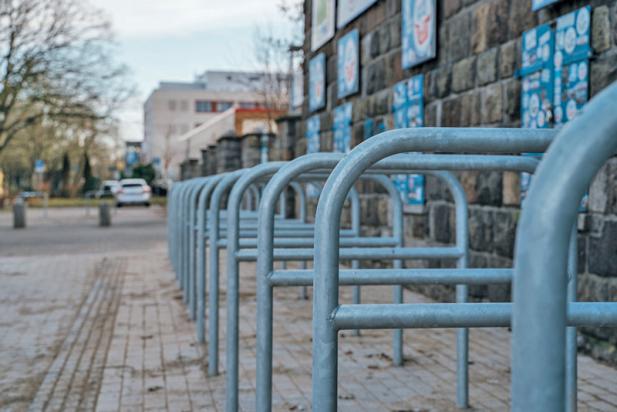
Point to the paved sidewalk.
(107, 331)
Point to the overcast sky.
(177, 39)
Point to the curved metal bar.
(196, 187)
(539, 292)
(363, 156)
(213, 232)
(201, 255)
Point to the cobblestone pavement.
(107, 331)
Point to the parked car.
(108, 189)
(133, 192)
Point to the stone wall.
(228, 154)
(473, 82)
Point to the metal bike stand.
(541, 308)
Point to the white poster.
(347, 10)
(322, 28)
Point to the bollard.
(104, 215)
(19, 213)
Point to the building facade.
(373, 65)
(175, 108)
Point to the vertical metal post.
(571, 343)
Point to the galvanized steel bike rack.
(542, 302)
(284, 253)
(329, 316)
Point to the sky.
(177, 39)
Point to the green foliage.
(146, 172)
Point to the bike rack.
(542, 302)
(235, 255)
(328, 315)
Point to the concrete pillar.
(19, 213)
(104, 214)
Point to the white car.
(133, 192)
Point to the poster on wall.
(322, 28)
(297, 89)
(317, 82)
(408, 111)
(538, 4)
(342, 128)
(537, 77)
(373, 127)
(313, 125)
(348, 64)
(418, 32)
(571, 64)
(347, 10)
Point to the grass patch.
(81, 202)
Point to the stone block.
(19, 213)
(395, 32)
(491, 104)
(458, 29)
(394, 70)
(602, 256)
(419, 224)
(581, 253)
(511, 189)
(451, 112)
(488, 188)
(379, 103)
(481, 229)
(437, 83)
(598, 191)
(393, 7)
(504, 231)
(437, 190)
(508, 55)
(432, 114)
(487, 29)
(486, 67)
(470, 109)
(511, 100)
(450, 7)
(603, 72)
(376, 76)
(463, 74)
(441, 222)
(600, 29)
(521, 17)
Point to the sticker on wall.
(538, 4)
(374, 126)
(347, 10)
(342, 128)
(313, 125)
(418, 32)
(348, 64)
(317, 82)
(571, 64)
(322, 28)
(408, 111)
(537, 73)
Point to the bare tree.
(55, 65)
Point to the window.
(172, 105)
(247, 105)
(203, 106)
(222, 106)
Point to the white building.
(175, 108)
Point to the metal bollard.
(104, 214)
(19, 213)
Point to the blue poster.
(408, 103)
(408, 111)
(342, 128)
(538, 4)
(537, 73)
(348, 64)
(317, 82)
(312, 134)
(313, 125)
(571, 64)
(418, 32)
(373, 127)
